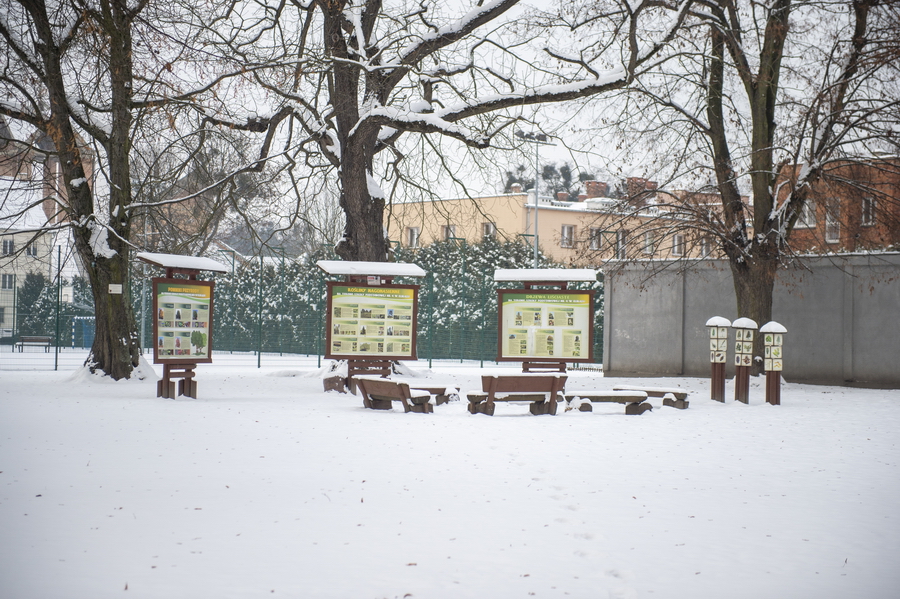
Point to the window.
(2, 314)
(412, 237)
(31, 250)
(807, 218)
(867, 219)
(649, 243)
(596, 239)
(832, 224)
(678, 244)
(567, 236)
(488, 230)
(9, 247)
(7, 281)
(621, 244)
(449, 232)
(705, 247)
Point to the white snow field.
(266, 486)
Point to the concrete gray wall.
(842, 314)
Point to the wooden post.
(718, 350)
(743, 357)
(717, 391)
(773, 340)
(742, 384)
(773, 387)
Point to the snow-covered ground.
(266, 486)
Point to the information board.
(545, 325)
(182, 323)
(371, 322)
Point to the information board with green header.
(377, 322)
(182, 323)
(550, 325)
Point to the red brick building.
(855, 207)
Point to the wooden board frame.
(533, 357)
(182, 359)
(332, 355)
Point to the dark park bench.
(379, 394)
(633, 400)
(671, 396)
(34, 341)
(543, 391)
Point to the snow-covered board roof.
(773, 327)
(744, 323)
(718, 321)
(187, 262)
(384, 269)
(545, 274)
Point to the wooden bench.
(34, 340)
(543, 391)
(633, 400)
(677, 399)
(379, 394)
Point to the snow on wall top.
(744, 323)
(718, 321)
(387, 269)
(773, 327)
(177, 261)
(545, 274)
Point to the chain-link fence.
(276, 306)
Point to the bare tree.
(350, 79)
(757, 104)
(98, 76)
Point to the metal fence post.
(259, 315)
(320, 328)
(483, 319)
(58, 301)
(430, 281)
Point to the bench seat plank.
(608, 396)
(654, 391)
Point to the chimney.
(637, 189)
(515, 188)
(596, 189)
(562, 196)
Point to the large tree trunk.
(364, 230)
(115, 349)
(754, 286)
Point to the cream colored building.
(585, 233)
(32, 237)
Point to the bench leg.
(381, 404)
(335, 383)
(539, 408)
(636, 409)
(481, 408)
(680, 404)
